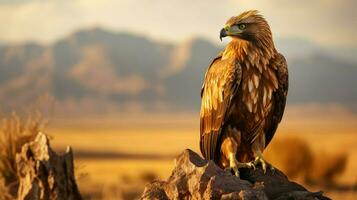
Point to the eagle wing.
(221, 82)
(279, 99)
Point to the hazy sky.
(328, 22)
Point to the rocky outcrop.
(196, 178)
(45, 175)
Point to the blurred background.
(119, 81)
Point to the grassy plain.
(115, 153)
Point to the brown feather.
(220, 85)
(279, 98)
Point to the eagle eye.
(241, 26)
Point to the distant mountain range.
(100, 71)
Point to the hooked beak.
(223, 33)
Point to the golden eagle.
(243, 95)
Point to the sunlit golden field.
(114, 153)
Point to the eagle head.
(249, 26)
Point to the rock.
(43, 174)
(196, 178)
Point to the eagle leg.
(257, 148)
(229, 150)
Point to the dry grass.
(327, 167)
(128, 187)
(294, 156)
(15, 131)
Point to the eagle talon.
(233, 170)
(235, 166)
(260, 160)
(272, 169)
(246, 165)
(236, 172)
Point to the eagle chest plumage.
(255, 99)
(253, 103)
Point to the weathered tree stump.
(43, 174)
